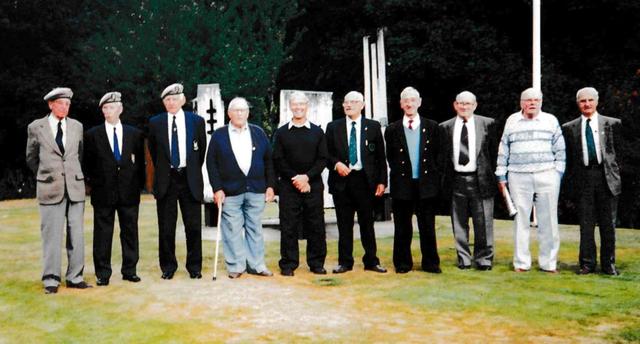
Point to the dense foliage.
(255, 48)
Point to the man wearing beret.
(54, 154)
(177, 143)
(114, 168)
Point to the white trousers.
(541, 189)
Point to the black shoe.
(585, 270)
(234, 275)
(484, 267)
(433, 269)
(287, 272)
(465, 267)
(340, 269)
(80, 285)
(131, 278)
(167, 275)
(102, 281)
(611, 271)
(402, 270)
(51, 290)
(319, 271)
(376, 268)
(195, 275)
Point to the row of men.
(459, 157)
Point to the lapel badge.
(133, 158)
(195, 145)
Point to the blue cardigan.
(223, 169)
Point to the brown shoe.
(234, 275)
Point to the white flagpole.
(537, 75)
(382, 79)
(367, 77)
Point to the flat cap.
(111, 97)
(171, 90)
(59, 92)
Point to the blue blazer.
(161, 155)
(223, 168)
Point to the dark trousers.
(403, 211)
(179, 193)
(597, 205)
(103, 220)
(307, 208)
(357, 197)
(466, 200)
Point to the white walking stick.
(215, 260)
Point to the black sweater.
(300, 151)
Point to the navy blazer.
(114, 183)
(225, 173)
(161, 154)
(400, 164)
(374, 161)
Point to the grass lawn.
(457, 306)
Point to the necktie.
(353, 145)
(591, 145)
(116, 146)
(410, 122)
(175, 152)
(463, 158)
(59, 137)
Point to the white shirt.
(242, 146)
(53, 124)
(414, 125)
(358, 165)
(305, 124)
(182, 135)
(457, 132)
(596, 138)
(109, 129)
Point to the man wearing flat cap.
(54, 154)
(177, 143)
(114, 168)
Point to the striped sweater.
(530, 145)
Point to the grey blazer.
(486, 155)
(54, 170)
(609, 133)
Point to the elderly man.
(468, 154)
(300, 155)
(242, 177)
(114, 168)
(54, 154)
(413, 154)
(358, 174)
(531, 159)
(177, 143)
(593, 171)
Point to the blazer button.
(425, 172)
(424, 160)
(402, 162)
(401, 149)
(402, 174)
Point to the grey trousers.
(52, 228)
(466, 200)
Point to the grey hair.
(465, 95)
(531, 93)
(238, 103)
(588, 91)
(298, 96)
(409, 92)
(354, 95)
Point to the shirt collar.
(594, 117)
(414, 124)
(523, 117)
(117, 125)
(179, 114)
(469, 120)
(306, 124)
(53, 119)
(235, 129)
(357, 121)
